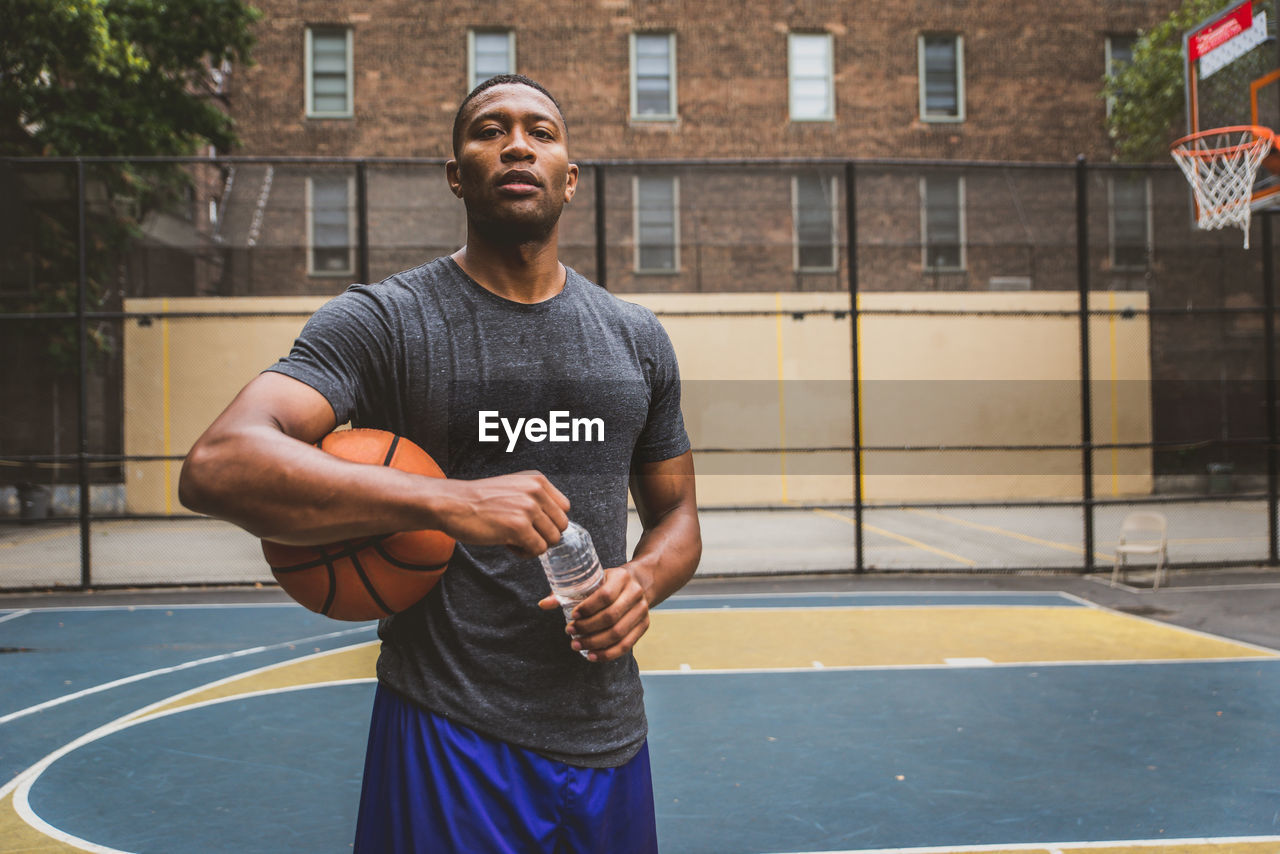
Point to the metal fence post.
(602, 246)
(82, 352)
(851, 258)
(362, 221)
(1086, 391)
(1269, 374)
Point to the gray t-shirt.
(431, 355)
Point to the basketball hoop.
(1221, 165)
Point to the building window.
(329, 79)
(1130, 222)
(489, 53)
(811, 77)
(657, 202)
(942, 222)
(330, 225)
(1119, 54)
(941, 78)
(813, 203)
(653, 76)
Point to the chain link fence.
(952, 366)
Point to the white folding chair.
(1143, 532)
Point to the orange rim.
(1261, 135)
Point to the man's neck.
(525, 272)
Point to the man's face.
(512, 169)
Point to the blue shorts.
(435, 786)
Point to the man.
(490, 732)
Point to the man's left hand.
(608, 623)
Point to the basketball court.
(792, 717)
(916, 712)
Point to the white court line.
(187, 665)
(1039, 846)
(15, 615)
(835, 606)
(1029, 665)
(868, 593)
(175, 607)
(138, 715)
(257, 671)
(1163, 624)
(20, 786)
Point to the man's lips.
(519, 181)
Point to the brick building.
(945, 90)
(662, 82)
(640, 79)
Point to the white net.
(1221, 166)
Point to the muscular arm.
(257, 466)
(611, 620)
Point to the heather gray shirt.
(431, 355)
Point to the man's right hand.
(523, 511)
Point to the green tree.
(117, 77)
(94, 78)
(102, 78)
(1148, 95)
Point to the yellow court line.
(992, 529)
(165, 406)
(40, 538)
(758, 639)
(899, 537)
(350, 662)
(16, 835)
(857, 392)
(1115, 397)
(782, 403)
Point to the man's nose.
(518, 146)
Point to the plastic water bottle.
(573, 569)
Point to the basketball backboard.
(1232, 67)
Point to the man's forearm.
(668, 552)
(283, 489)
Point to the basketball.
(369, 577)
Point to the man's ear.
(571, 183)
(454, 177)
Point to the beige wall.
(777, 378)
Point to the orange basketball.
(369, 577)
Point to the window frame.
(957, 41)
(962, 235)
(835, 225)
(350, 268)
(675, 230)
(830, 113)
(309, 72)
(673, 102)
(472, 32)
(1109, 59)
(1148, 236)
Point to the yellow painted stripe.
(166, 405)
(353, 663)
(782, 401)
(728, 639)
(898, 537)
(18, 836)
(1115, 395)
(857, 390)
(1004, 532)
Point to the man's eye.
(543, 133)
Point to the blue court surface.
(779, 723)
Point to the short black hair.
(500, 80)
